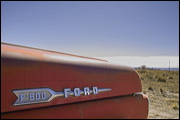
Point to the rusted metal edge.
(2, 43)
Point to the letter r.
(86, 91)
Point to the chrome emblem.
(39, 95)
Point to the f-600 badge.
(31, 96)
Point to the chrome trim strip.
(140, 93)
(39, 95)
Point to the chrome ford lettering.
(86, 91)
(77, 92)
(95, 90)
(67, 92)
(39, 95)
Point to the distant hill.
(171, 69)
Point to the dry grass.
(162, 88)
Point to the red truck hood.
(24, 68)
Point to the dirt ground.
(161, 107)
(162, 88)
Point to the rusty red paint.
(25, 68)
(129, 107)
(24, 51)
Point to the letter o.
(77, 92)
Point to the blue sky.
(94, 28)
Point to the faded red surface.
(26, 68)
(129, 107)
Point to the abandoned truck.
(41, 84)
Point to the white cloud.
(151, 61)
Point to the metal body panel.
(127, 107)
(24, 68)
